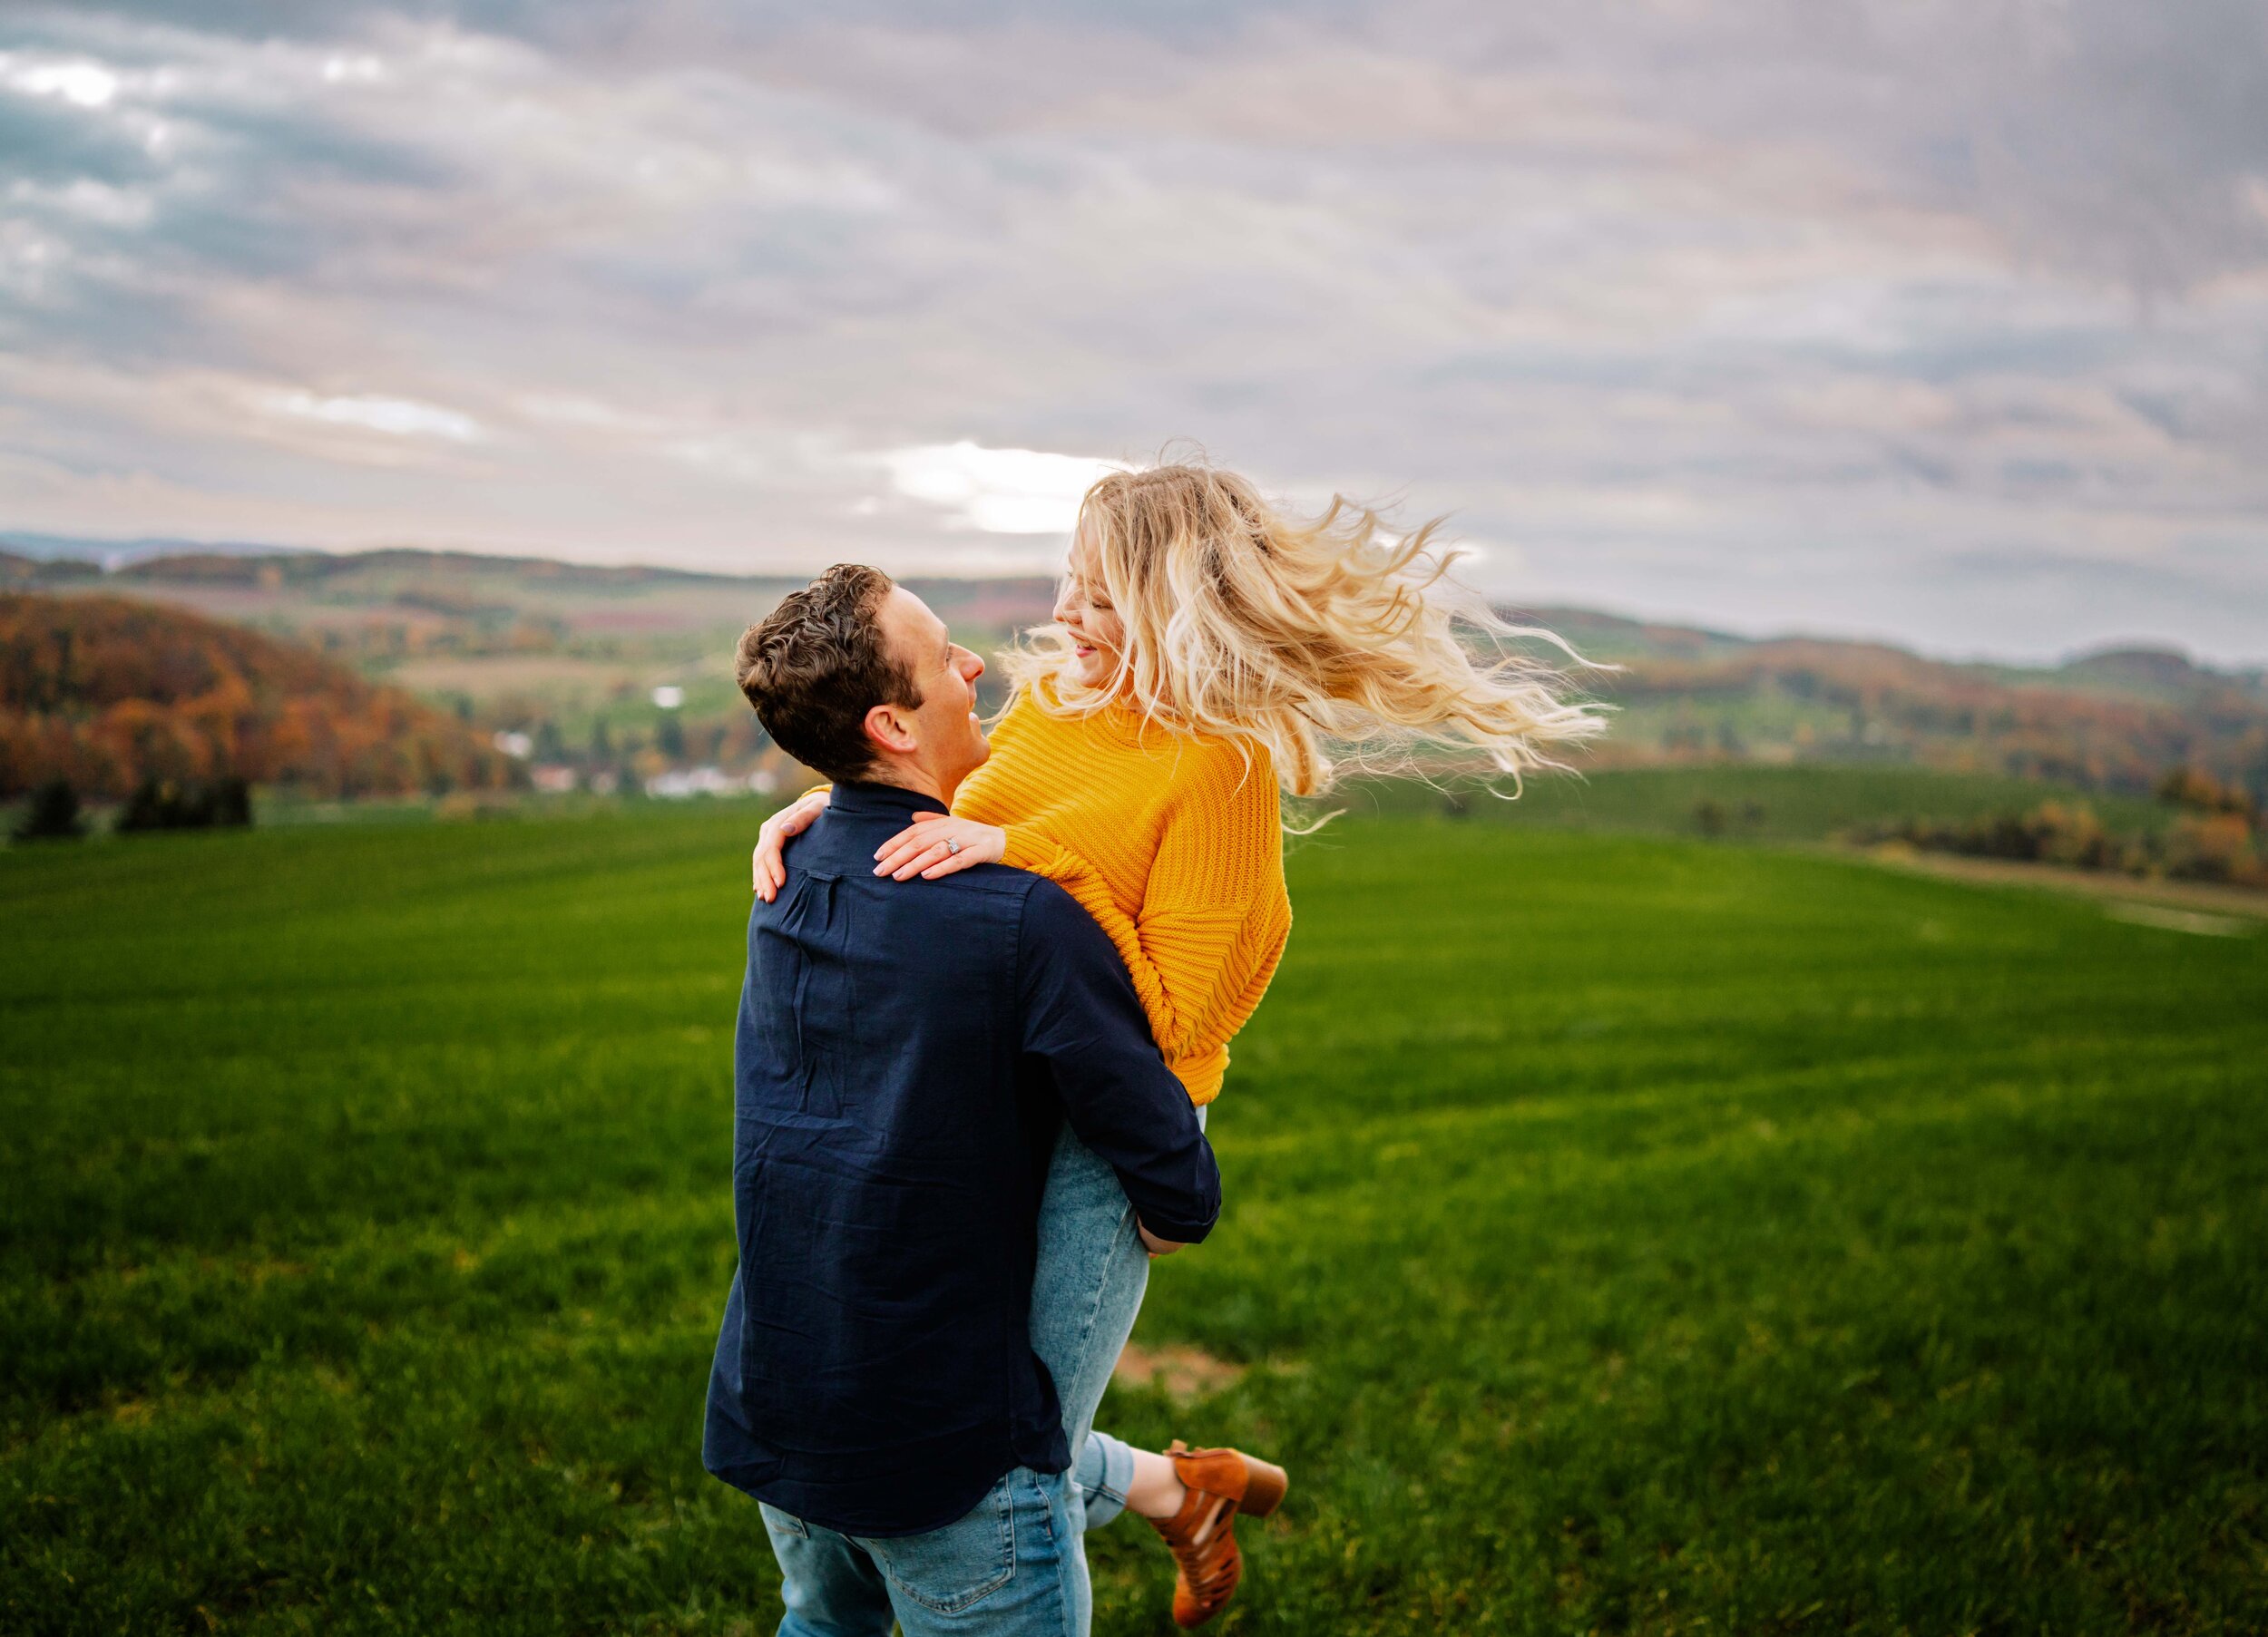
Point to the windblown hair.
(1336, 649)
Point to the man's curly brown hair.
(816, 664)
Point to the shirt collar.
(880, 801)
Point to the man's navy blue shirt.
(904, 1053)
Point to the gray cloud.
(46, 141)
(1862, 317)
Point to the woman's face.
(1083, 608)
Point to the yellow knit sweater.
(1171, 843)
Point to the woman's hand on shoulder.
(937, 844)
(770, 862)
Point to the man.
(902, 1053)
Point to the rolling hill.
(107, 691)
(571, 656)
(2113, 721)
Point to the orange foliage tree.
(107, 692)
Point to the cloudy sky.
(1940, 319)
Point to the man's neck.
(906, 776)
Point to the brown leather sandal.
(1202, 1535)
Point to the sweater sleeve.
(1215, 916)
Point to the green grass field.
(1809, 802)
(1625, 1235)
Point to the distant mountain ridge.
(450, 622)
(30, 561)
(167, 560)
(2159, 673)
(114, 553)
(258, 585)
(2091, 723)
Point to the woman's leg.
(1153, 1488)
(1085, 1292)
(1113, 1476)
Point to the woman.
(1207, 648)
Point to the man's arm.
(1080, 1012)
(1156, 1246)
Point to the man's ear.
(887, 730)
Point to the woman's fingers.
(968, 858)
(913, 832)
(908, 844)
(797, 819)
(915, 861)
(937, 844)
(769, 865)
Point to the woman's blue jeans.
(1085, 1293)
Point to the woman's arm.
(770, 862)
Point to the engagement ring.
(952, 847)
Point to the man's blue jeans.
(1015, 1564)
(1012, 1567)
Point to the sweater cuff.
(1027, 849)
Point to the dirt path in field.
(2183, 905)
(1183, 1372)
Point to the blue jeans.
(1085, 1293)
(1013, 1566)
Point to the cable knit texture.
(1172, 841)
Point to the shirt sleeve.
(1214, 915)
(1080, 1013)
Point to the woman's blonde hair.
(1317, 638)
